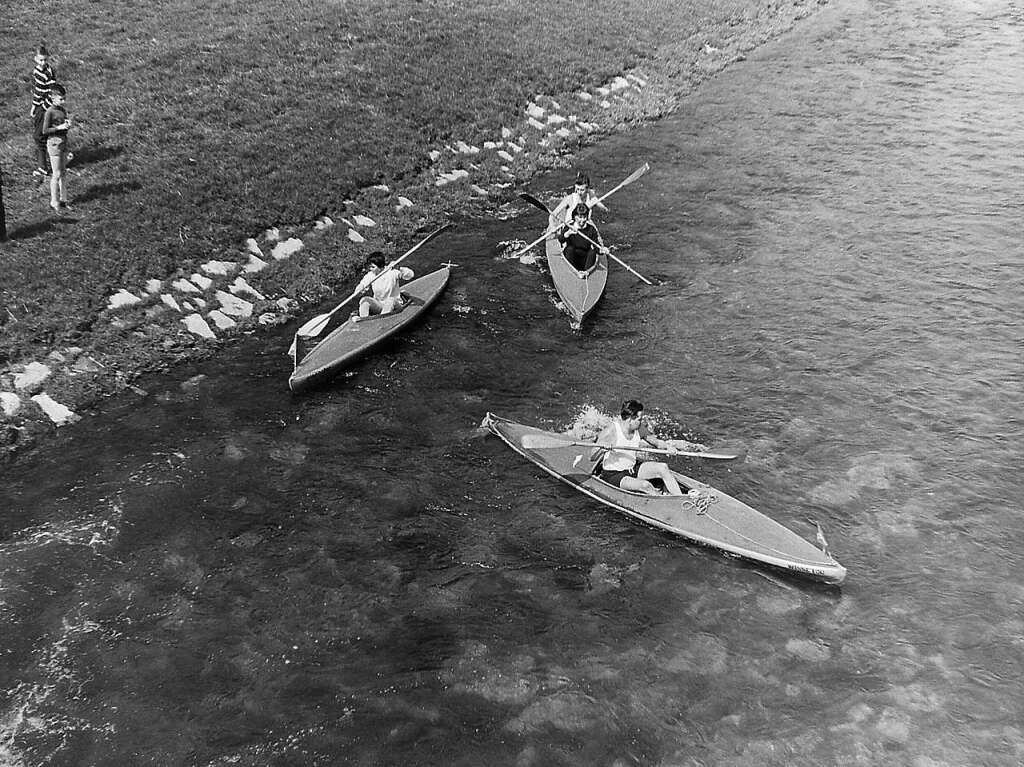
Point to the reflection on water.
(224, 574)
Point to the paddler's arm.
(364, 284)
(603, 444)
(557, 215)
(658, 442)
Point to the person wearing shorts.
(622, 468)
(55, 128)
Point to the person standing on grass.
(581, 194)
(56, 124)
(42, 81)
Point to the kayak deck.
(712, 518)
(579, 294)
(352, 340)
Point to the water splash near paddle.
(510, 250)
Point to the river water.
(223, 574)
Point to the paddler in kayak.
(581, 194)
(623, 468)
(386, 287)
(580, 240)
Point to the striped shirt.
(42, 81)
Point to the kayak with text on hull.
(707, 516)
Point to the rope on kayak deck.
(700, 500)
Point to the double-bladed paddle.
(316, 325)
(534, 201)
(536, 441)
(625, 182)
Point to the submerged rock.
(569, 712)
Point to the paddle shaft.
(545, 440)
(659, 451)
(615, 258)
(316, 325)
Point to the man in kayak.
(580, 240)
(386, 286)
(622, 468)
(581, 193)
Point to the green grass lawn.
(199, 125)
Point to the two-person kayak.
(579, 291)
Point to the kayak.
(353, 339)
(706, 515)
(579, 294)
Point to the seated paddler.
(384, 285)
(581, 193)
(580, 240)
(624, 468)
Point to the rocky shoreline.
(190, 313)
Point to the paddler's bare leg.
(657, 470)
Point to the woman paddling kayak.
(580, 240)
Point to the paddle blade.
(637, 173)
(626, 182)
(540, 441)
(315, 326)
(535, 202)
(526, 248)
(716, 456)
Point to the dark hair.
(41, 50)
(58, 89)
(375, 259)
(582, 178)
(581, 210)
(630, 408)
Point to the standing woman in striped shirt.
(42, 80)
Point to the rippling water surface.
(221, 573)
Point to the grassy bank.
(198, 127)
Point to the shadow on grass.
(29, 230)
(99, 191)
(91, 154)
